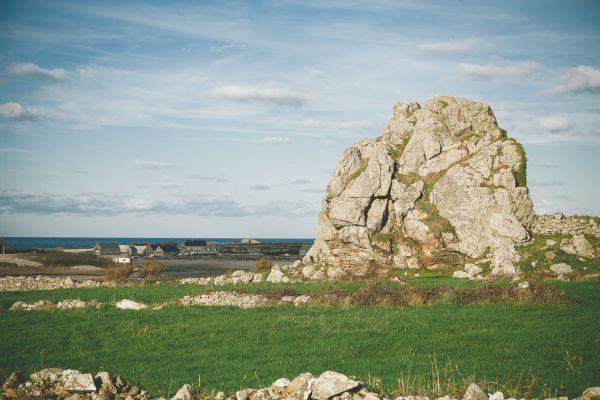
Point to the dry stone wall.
(558, 224)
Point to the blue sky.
(215, 119)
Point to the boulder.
(474, 392)
(550, 255)
(186, 393)
(561, 269)
(330, 384)
(276, 276)
(496, 396)
(76, 382)
(126, 304)
(300, 388)
(442, 177)
(583, 248)
(592, 393)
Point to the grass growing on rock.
(227, 348)
(536, 250)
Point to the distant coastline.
(83, 242)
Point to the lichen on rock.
(442, 179)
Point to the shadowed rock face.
(443, 183)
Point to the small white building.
(122, 260)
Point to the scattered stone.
(76, 382)
(276, 276)
(186, 393)
(330, 384)
(550, 242)
(460, 274)
(549, 255)
(523, 285)
(126, 304)
(561, 269)
(592, 393)
(496, 396)
(474, 392)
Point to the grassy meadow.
(523, 349)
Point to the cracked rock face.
(442, 183)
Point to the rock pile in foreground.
(442, 184)
(55, 383)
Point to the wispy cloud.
(300, 181)
(265, 94)
(260, 187)
(11, 150)
(554, 123)
(209, 178)
(153, 164)
(455, 46)
(500, 70)
(549, 183)
(16, 111)
(582, 79)
(275, 139)
(317, 124)
(35, 71)
(549, 164)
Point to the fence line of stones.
(74, 385)
(558, 224)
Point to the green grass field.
(522, 350)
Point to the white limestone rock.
(126, 304)
(450, 148)
(330, 384)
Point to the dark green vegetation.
(521, 173)
(521, 349)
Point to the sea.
(87, 242)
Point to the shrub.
(151, 269)
(119, 273)
(264, 264)
(521, 173)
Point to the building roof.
(141, 249)
(169, 248)
(195, 242)
(109, 246)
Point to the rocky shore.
(55, 383)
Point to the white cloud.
(582, 79)
(266, 94)
(500, 70)
(275, 139)
(152, 164)
(554, 123)
(35, 71)
(87, 73)
(16, 111)
(455, 46)
(109, 204)
(318, 124)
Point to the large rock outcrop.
(441, 185)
